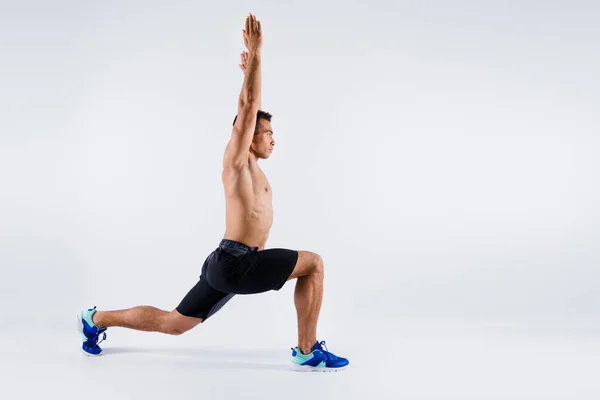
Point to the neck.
(253, 157)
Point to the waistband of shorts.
(239, 245)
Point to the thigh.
(202, 301)
(267, 270)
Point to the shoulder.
(232, 171)
(233, 162)
(234, 156)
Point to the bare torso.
(248, 203)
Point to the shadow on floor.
(211, 357)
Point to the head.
(262, 142)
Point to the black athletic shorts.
(235, 268)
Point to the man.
(240, 264)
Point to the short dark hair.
(259, 115)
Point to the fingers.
(252, 33)
(244, 60)
(252, 24)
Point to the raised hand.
(244, 65)
(252, 34)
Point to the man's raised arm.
(249, 101)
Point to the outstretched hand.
(252, 34)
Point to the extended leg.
(146, 318)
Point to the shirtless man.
(240, 264)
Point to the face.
(262, 142)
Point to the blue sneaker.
(90, 332)
(318, 359)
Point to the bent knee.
(319, 265)
(308, 264)
(177, 324)
(173, 330)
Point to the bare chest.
(260, 184)
(250, 185)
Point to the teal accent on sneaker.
(319, 359)
(88, 316)
(90, 333)
(305, 359)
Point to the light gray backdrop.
(442, 157)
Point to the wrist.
(254, 53)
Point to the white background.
(441, 156)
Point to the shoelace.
(326, 351)
(321, 344)
(103, 338)
(93, 341)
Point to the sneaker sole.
(308, 368)
(80, 330)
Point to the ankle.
(97, 319)
(305, 349)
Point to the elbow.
(248, 105)
(248, 102)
